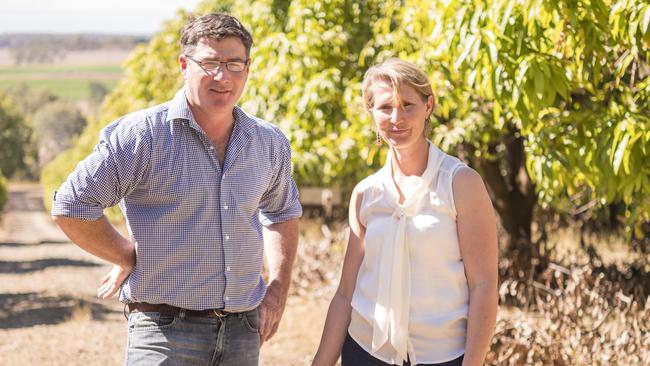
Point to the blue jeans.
(158, 339)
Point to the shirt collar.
(243, 123)
(180, 109)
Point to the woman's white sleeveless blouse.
(411, 296)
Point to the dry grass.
(576, 316)
(319, 259)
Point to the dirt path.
(50, 316)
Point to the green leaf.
(539, 84)
(646, 19)
(620, 153)
(469, 44)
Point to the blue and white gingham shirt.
(196, 224)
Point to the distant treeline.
(46, 48)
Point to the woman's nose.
(395, 114)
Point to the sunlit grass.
(66, 81)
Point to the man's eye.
(210, 64)
(236, 65)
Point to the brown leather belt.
(165, 309)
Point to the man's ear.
(182, 62)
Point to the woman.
(419, 280)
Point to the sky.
(127, 17)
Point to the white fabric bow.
(391, 315)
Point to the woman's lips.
(221, 91)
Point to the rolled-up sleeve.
(109, 173)
(281, 203)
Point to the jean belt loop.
(181, 314)
(219, 313)
(126, 312)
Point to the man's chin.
(221, 101)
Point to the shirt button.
(228, 268)
(211, 147)
(226, 298)
(225, 207)
(227, 237)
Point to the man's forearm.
(99, 238)
(280, 244)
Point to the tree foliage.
(14, 138)
(55, 125)
(26, 100)
(547, 99)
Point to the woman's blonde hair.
(396, 72)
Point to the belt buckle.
(219, 313)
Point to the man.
(196, 179)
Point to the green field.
(67, 89)
(66, 81)
(10, 71)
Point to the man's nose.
(220, 72)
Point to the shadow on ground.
(11, 244)
(41, 264)
(23, 310)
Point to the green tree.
(97, 92)
(26, 100)
(55, 125)
(14, 139)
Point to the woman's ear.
(430, 103)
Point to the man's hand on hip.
(112, 281)
(100, 238)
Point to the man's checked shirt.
(196, 224)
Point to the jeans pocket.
(147, 321)
(251, 321)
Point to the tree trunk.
(513, 195)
